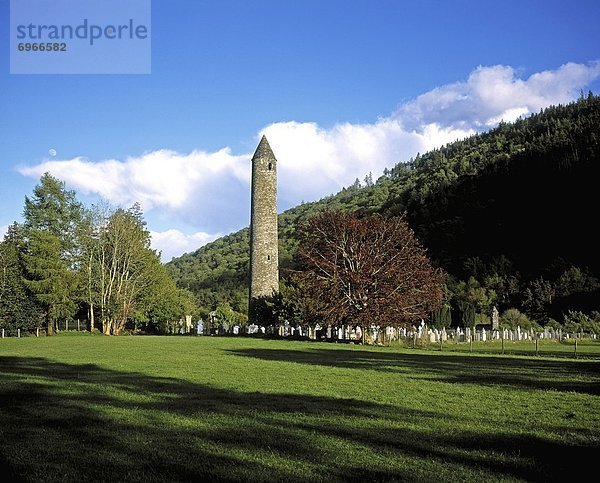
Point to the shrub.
(511, 318)
(576, 321)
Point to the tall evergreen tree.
(55, 209)
(49, 278)
(52, 217)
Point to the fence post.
(37, 331)
(575, 349)
(536, 346)
(502, 342)
(3, 333)
(19, 333)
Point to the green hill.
(510, 214)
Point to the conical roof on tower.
(263, 150)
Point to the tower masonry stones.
(264, 256)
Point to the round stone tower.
(264, 259)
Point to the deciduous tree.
(124, 267)
(369, 270)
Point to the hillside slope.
(509, 212)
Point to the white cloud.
(3, 230)
(199, 186)
(173, 243)
(211, 190)
(491, 94)
(160, 178)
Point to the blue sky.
(340, 88)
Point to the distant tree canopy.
(510, 208)
(366, 270)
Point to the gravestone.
(495, 319)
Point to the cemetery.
(548, 342)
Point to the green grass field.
(94, 408)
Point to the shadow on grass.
(532, 373)
(64, 422)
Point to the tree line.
(67, 261)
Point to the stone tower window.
(270, 166)
(268, 257)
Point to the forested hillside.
(510, 214)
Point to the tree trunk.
(91, 318)
(106, 326)
(49, 325)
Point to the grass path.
(94, 408)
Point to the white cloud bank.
(211, 190)
(494, 93)
(3, 230)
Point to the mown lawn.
(94, 408)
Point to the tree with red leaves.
(366, 270)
